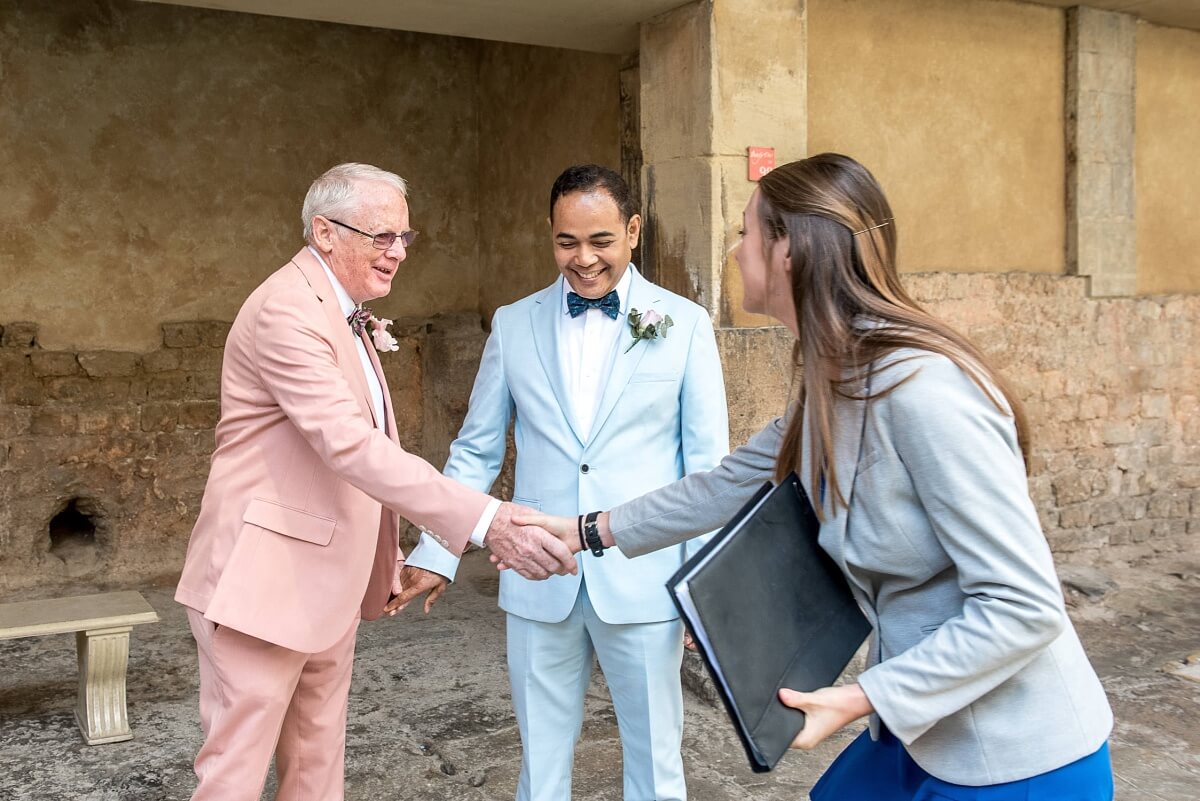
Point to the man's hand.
(566, 529)
(689, 643)
(527, 549)
(826, 710)
(413, 582)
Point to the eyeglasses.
(381, 241)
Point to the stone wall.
(104, 454)
(1112, 388)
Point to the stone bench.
(101, 624)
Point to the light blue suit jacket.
(662, 415)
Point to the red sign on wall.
(761, 161)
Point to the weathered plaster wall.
(154, 158)
(957, 107)
(1168, 159)
(540, 111)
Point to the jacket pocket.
(530, 502)
(646, 378)
(290, 522)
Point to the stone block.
(205, 386)
(72, 388)
(108, 421)
(14, 421)
(169, 386)
(23, 391)
(1076, 516)
(183, 335)
(108, 363)
(1157, 404)
(159, 417)
(19, 335)
(1093, 406)
(1105, 512)
(199, 414)
(1072, 488)
(1120, 432)
(213, 333)
(50, 422)
(50, 363)
(161, 361)
(200, 360)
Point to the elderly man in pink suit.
(297, 537)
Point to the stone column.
(717, 76)
(1101, 227)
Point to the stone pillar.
(717, 76)
(1101, 226)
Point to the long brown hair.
(842, 243)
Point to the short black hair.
(590, 177)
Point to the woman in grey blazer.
(912, 448)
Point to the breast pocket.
(649, 378)
(532, 503)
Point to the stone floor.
(430, 716)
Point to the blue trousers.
(882, 770)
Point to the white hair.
(333, 195)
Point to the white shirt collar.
(622, 290)
(348, 305)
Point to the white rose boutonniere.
(650, 326)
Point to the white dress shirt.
(348, 306)
(587, 348)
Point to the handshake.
(537, 544)
(533, 544)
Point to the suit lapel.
(847, 446)
(543, 316)
(343, 336)
(642, 296)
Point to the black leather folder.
(768, 609)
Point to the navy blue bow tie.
(610, 304)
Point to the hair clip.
(873, 227)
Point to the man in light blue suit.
(601, 418)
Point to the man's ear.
(634, 230)
(322, 234)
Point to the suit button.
(584, 469)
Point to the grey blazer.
(973, 663)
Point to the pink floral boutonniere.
(650, 326)
(381, 337)
(361, 318)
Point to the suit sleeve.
(962, 456)
(700, 502)
(477, 454)
(703, 414)
(297, 363)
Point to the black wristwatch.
(589, 533)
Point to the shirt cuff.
(485, 522)
(429, 555)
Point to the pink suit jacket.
(298, 528)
